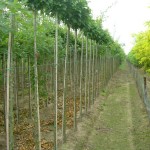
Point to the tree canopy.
(140, 54)
(74, 13)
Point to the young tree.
(81, 75)
(56, 8)
(35, 6)
(9, 92)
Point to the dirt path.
(129, 117)
(117, 121)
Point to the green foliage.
(74, 13)
(117, 50)
(132, 59)
(140, 54)
(37, 4)
(81, 14)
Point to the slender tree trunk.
(104, 63)
(12, 94)
(4, 88)
(51, 81)
(93, 78)
(29, 79)
(71, 71)
(22, 79)
(75, 77)
(86, 61)
(81, 75)
(37, 114)
(96, 81)
(46, 82)
(102, 71)
(44, 78)
(110, 63)
(108, 68)
(64, 87)
(16, 92)
(105, 67)
(113, 64)
(56, 83)
(9, 92)
(89, 74)
(97, 71)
